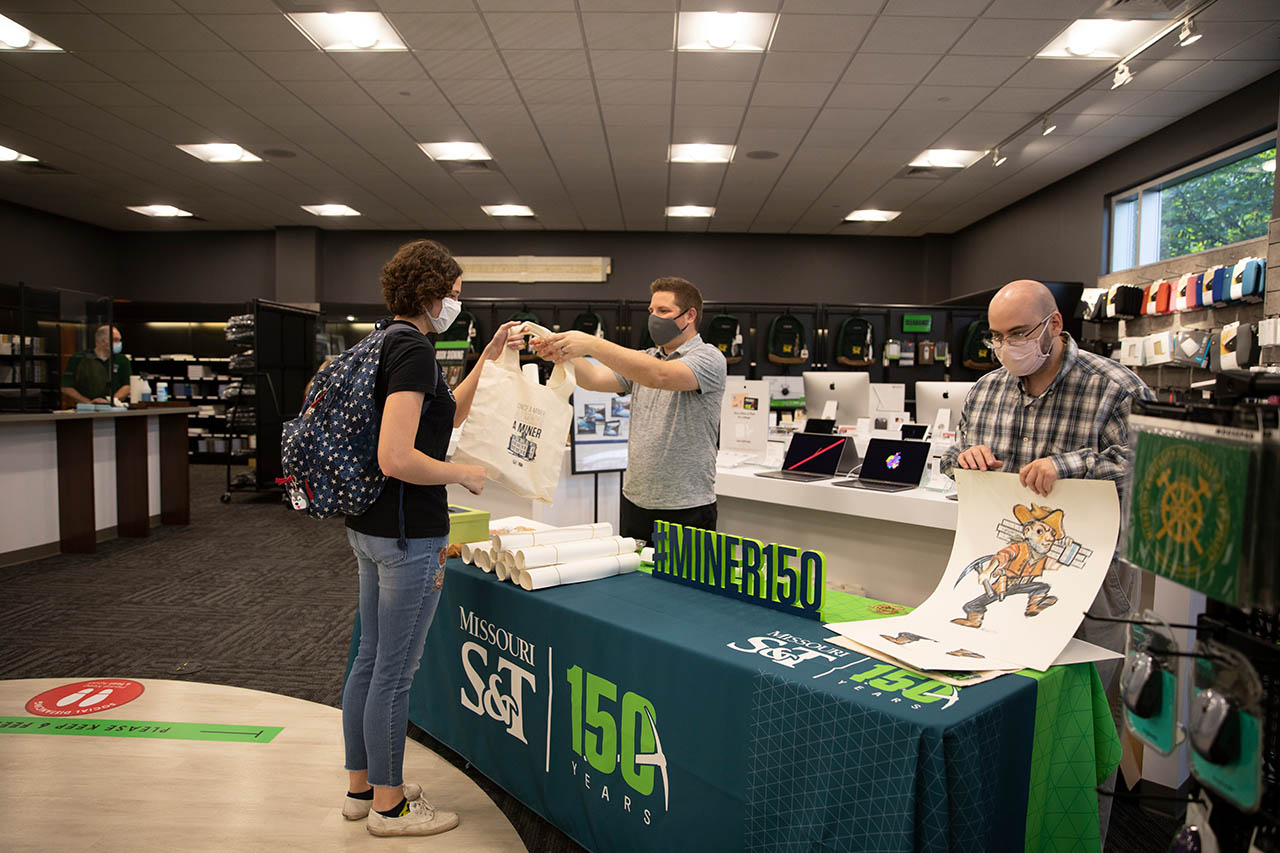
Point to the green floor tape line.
(139, 728)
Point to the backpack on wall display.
(786, 341)
(855, 344)
(329, 453)
(724, 332)
(1247, 280)
(977, 355)
(1164, 297)
(463, 330)
(589, 322)
(525, 317)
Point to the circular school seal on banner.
(1184, 512)
(84, 697)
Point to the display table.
(85, 476)
(893, 545)
(637, 714)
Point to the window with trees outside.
(1219, 201)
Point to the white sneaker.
(353, 809)
(418, 818)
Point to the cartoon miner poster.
(1023, 570)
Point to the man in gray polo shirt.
(675, 388)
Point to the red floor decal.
(84, 697)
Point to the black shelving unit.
(283, 341)
(30, 356)
(174, 372)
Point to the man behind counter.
(97, 375)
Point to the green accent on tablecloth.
(1072, 719)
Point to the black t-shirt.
(408, 363)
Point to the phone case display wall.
(1200, 512)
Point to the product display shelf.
(30, 353)
(204, 429)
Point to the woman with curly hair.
(400, 586)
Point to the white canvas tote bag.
(517, 429)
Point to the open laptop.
(811, 457)
(890, 466)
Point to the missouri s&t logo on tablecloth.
(787, 649)
(493, 669)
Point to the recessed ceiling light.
(507, 210)
(14, 36)
(455, 150)
(330, 210)
(8, 155)
(351, 318)
(692, 211)
(947, 158)
(700, 152)
(724, 31)
(873, 215)
(348, 30)
(220, 152)
(1099, 38)
(1048, 126)
(160, 210)
(1189, 34)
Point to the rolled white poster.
(484, 559)
(571, 552)
(514, 541)
(509, 565)
(646, 555)
(478, 551)
(500, 570)
(584, 570)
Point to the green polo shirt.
(88, 374)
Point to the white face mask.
(449, 309)
(1025, 357)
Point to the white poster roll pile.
(537, 556)
(584, 570)
(478, 553)
(501, 567)
(484, 559)
(515, 541)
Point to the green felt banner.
(139, 728)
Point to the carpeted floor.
(253, 595)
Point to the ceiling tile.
(328, 93)
(565, 115)
(633, 64)
(1102, 102)
(887, 68)
(1063, 10)
(77, 32)
(634, 91)
(255, 92)
(929, 8)
(914, 35)
(547, 30)
(286, 65)
(973, 70)
(712, 93)
(991, 37)
(627, 5)
(629, 31)
(463, 64)
(57, 67)
(380, 65)
(637, 115)
(804, 67)
(480, 91)
(775, 94)
(779, 117)
(442, 31)
(1056, 74)
(717, 66)
(168, 32)
(575, 91)
(546, 64)
(702, 116)
(840, 119)
(946, 98)
(215, 65)
(257, 32)
(820, 32)
(35, 93)
(108, 94)
(1264, 45)
(856, 96)
(1151, 76)
(401, 93)
(841, 7)
(980, 131)
(1129, 127)
(1220, 76)
(1240, 10)
(246, 7)
(1172, 104)
(1009, 99)
(847, 140)
(525, 5)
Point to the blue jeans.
(399, 592)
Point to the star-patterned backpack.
(329, 453)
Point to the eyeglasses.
(996, 340)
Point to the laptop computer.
(825, 426)
(890, 466)
(811, 457)
(915, 432)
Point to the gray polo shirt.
(671, 457)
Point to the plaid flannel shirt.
(1081, 421)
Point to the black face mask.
(664, 330)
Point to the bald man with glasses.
(1053, 411)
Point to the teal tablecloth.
(637, 714)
